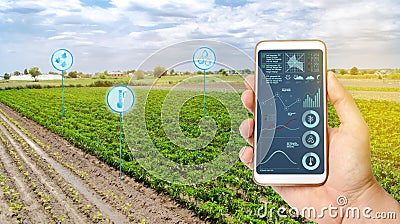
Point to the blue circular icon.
(310, 119)
(310, 139)
(120, 98)
(62, 59)
(204, 58)
(310, 161)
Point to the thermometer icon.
(311, 161)
(121, 96)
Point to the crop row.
(233, 196)
(40, 187)
(15, 204)
(106, 194)
(31, 181)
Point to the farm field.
(44, 179)
(93, 130)
(146, 81)
(371, 88)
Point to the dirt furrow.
(35, 210)
(136, 201)
(5, 214)
(76, 183)
(52, 187)
(4, 211)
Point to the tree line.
(34, 72)
(356, 71)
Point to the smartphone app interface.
(297, 128)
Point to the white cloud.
(98, 32)
(365, 33)
(168, 6)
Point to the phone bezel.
(292, 179)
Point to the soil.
(59, 183)
(376, 95)
(374, 83)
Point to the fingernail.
(250, 164)
(241, 152)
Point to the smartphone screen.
(290, 139)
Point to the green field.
(232, 197)
(146, 81)
(376, 89)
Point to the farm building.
(117, 74)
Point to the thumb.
(349, 115)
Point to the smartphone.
(291, 113)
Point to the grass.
(147, 81)
(391, 76)
(376, 89)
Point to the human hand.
(350, 173)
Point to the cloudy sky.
(120, 34)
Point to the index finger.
(249, 82)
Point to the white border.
(289, 179)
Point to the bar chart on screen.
(310, 101)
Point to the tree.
(17, 73)
(209, 72)
(343, 71)
(159, 71)
(247, 71)
(26, 72)
(73, 74)
(354, 71)
(105, 73)
(363, 72)
(171, 72)
(130, 71)
(139, 74)
(34, 72)
(6, 76)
